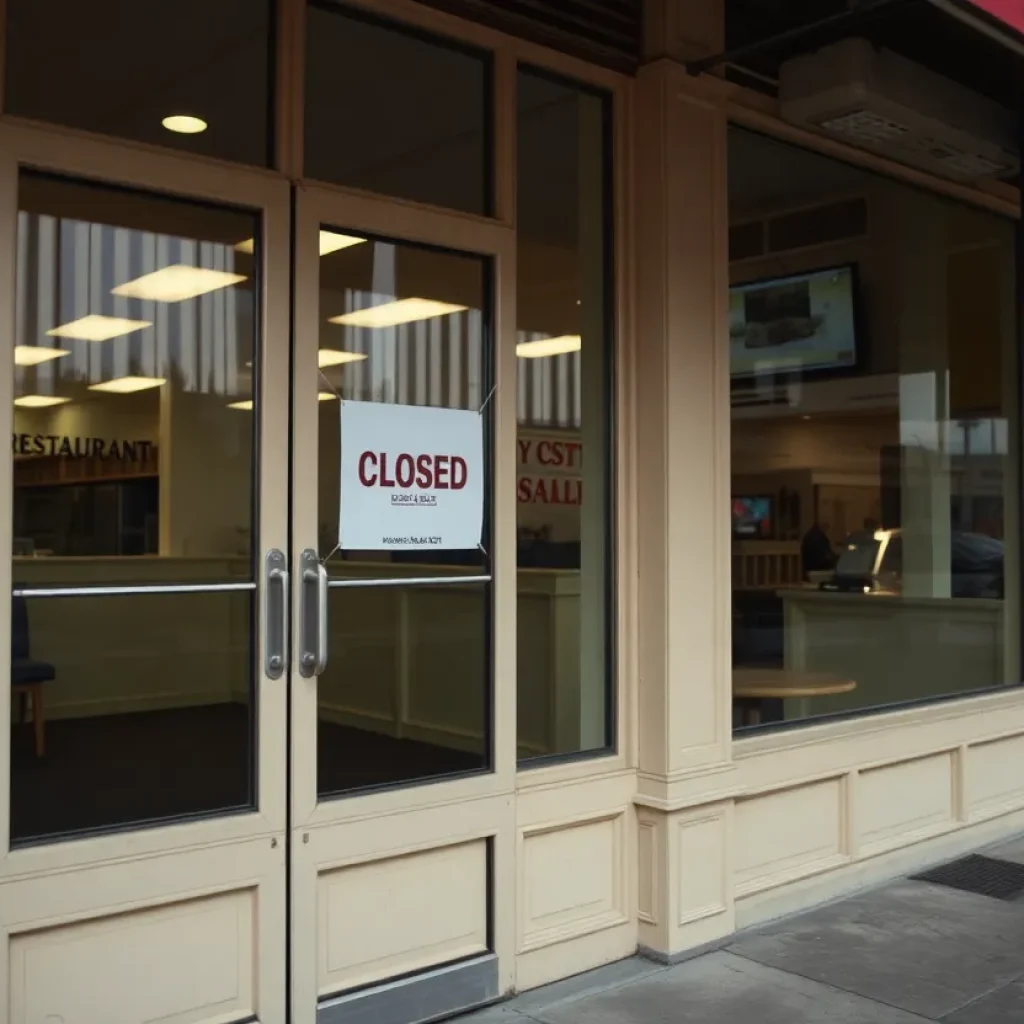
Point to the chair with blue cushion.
(27, 674)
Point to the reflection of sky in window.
(67, 270)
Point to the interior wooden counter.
(896, 648)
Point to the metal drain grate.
(985, 876)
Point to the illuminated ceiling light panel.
(326, 396)
(127, 385)
(246, 405)
(549, 347)
(176, 283)
(97, 327)
(39, 401)
(331, 241)
(184, 124)
(33, 355)
(391, 314)
(336, 356)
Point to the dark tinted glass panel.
(564, 398)
(123, 68)
(144, 710)
(406, 692)
(132, 465)
(396, 113)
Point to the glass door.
(402, 700)
(145, 361)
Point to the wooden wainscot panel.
(386, 917)
(572, 881)
(701, 870)
(995, 777)
(788, 834)
(647, 872)
(901, 803)
(189, 963)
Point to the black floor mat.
(985, 876)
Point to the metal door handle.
(313, 613)
(275, 615)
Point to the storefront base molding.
(684, 878)
(682, 790)
(844, 880)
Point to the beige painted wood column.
(682, 421)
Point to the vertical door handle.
(275, 615)
(313, 613)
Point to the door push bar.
(312, 615)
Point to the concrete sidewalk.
(908, 953)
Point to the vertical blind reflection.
(68, 269)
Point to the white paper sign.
(412, 478)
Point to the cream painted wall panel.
(572, 880)
(994, 779)
(647, 872)
(788, 834)
(702, 870)
(900, 801)
(388, 917)
(190, 963)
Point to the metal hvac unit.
(880, 101)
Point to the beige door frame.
(342, 832)
(81, 879)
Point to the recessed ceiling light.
(549, 346)
(246, 404)
(184, 124)
(39, 401)
(391, 314)
(326, 396)
(337, 356)
(33, 355)
(126, 385)
(97, 327)
(176, 283)
(331, 241)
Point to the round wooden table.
(752, 686)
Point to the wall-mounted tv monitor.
(804, 323)
(752, 517)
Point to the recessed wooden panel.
(188, 963)
(402, 914)
(995, 776)
(647, 872)
(702, 873)
(572, 881)
(787, 834)
(904, 799)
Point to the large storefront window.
(875, 439)
(564, 413)
(187, 74)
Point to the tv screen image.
(752, 517)
(794, 324)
